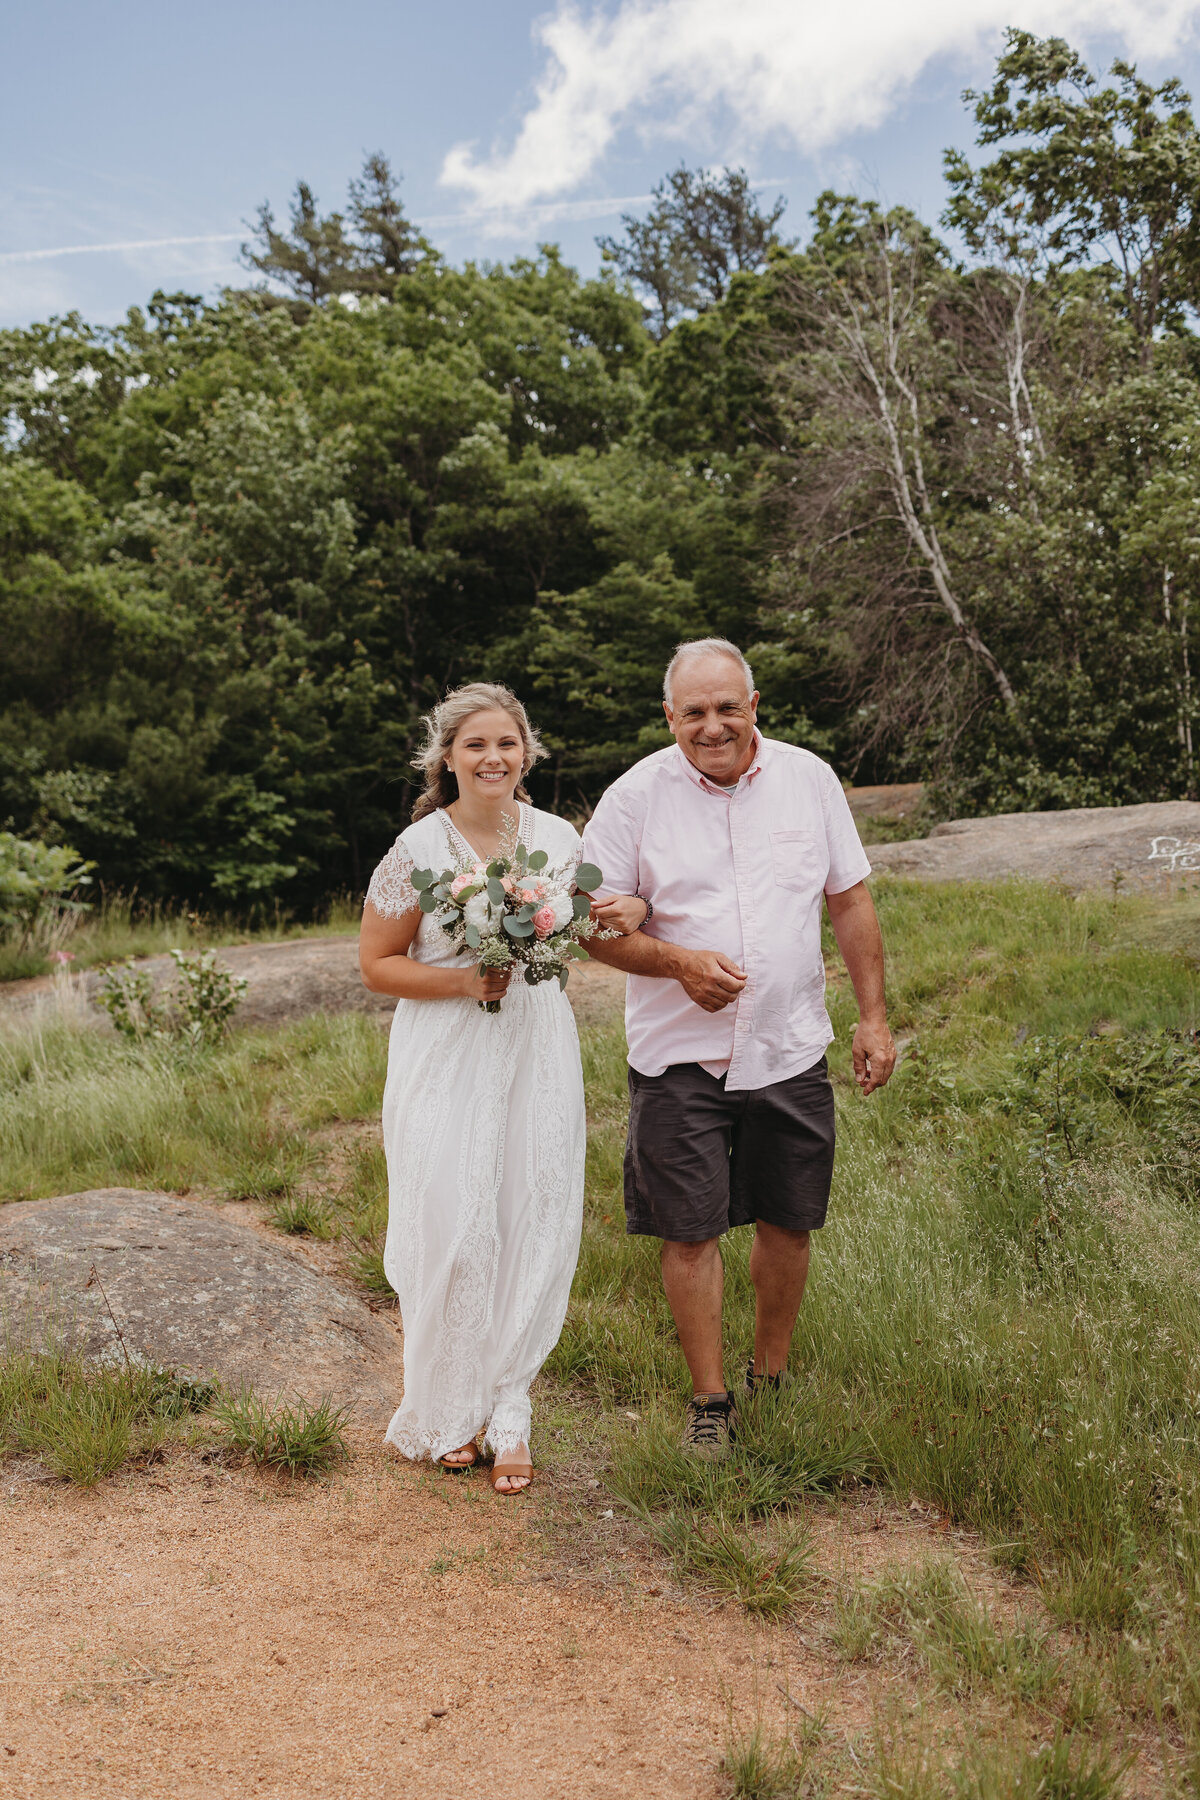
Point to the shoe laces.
(707, 1420)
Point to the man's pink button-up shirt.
(739, 872)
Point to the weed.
(85, 1420)
(196, 1013)
(367, 1267)
(786, 1446)
(1067, 1768)
(932, 1609)
(303, 1439)
(303, 1216)
(762, 1766)
(768, 1578)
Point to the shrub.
(38, 883)
(196, 1012)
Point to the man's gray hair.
(685, 653)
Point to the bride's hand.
(625, 913)
(486, 984)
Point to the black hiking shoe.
(753, 1381)
(709, 1426)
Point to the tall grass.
(118, 926)
(79, 1109)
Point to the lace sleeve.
(391, 892)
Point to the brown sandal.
(460, 1468)
(511, 1469)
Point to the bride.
(483, 1118)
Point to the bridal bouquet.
(515, 909)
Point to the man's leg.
(778, 1269)
(694, 1280)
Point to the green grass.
(768, 1575)
(85, 1420)
(118, 926)
(994, 1323)
(304, 1439)
(760, 1765)
(931, 1610)
(79, 1109)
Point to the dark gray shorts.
(700, 1160)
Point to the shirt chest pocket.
(800, 861)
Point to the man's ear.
(670, 715)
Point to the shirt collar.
(711, 787)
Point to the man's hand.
(711, 979)
(874, 1054)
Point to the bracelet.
(649, 906)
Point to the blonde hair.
(441, 728)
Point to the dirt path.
(201, 1632)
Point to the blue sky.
(511, 122)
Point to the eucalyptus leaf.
(573, 949)
(473, 937)
(422, 878)
(581, 906)
(587, 877)
(427, 903)
(531, 975)
(522, 856)
(538, 860)
(528, 910)
(496, 866)
(563, 975)
(518, 928)
(495, 892)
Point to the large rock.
(1142, 847)
(195, 1289)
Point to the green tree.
(701, 229)
(1092, 173)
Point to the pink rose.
(459, 883)
(508, 884)
(543, 921)
(532, 893)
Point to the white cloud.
(742, 72)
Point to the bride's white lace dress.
(483, 1126)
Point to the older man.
(732, 839)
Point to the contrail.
(219, 237)
(546, 212)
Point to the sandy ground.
(193, 1630)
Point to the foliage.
(948, 507)
(196, 1012)
(701, 229)
(38, 884)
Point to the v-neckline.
(466, 842)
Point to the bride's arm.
(387, 967)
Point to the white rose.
(477, 912)
(564, 911)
